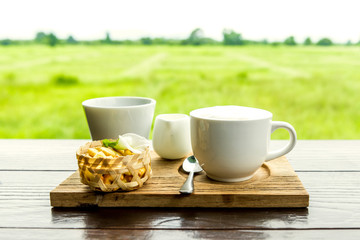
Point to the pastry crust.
(108, 171)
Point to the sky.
(273, 20)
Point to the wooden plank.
(334, 203)
(352, 234)
(275, 184)
(38, 214)
(334, 210)
(39, 154)
(308, 155)
(28, 185)
(328, 190)
(324, 155)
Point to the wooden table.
(30, 169)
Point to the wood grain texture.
(275, 184)
(329, 170)
(334, 204)
(49, 155)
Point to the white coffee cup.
(109, 117)
(171, 136)
(232, 142)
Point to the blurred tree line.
(196, 38)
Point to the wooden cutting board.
(274, 185)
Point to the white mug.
(232, 142)
(171, 136)
(109, 117)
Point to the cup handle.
(277, 153)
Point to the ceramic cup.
(109, 117)
(171, 136)
(232, 142)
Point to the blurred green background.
(314, 88)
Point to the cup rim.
(90, 103)
(264, 114)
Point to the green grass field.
(316, 89)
